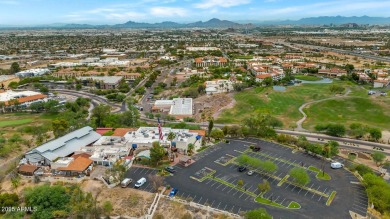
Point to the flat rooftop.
(9, 95)
(181, 106)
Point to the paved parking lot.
(212, 192)
(137, 173)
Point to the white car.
(336, 165)
(140, 182)
(250, 173)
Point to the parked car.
(173, 192)
(241, 169)
(371, 92)
(140, 182)
(383, 93)
(250, 172)
(170, 169)
(256, 148)
(336, 165)
(126, 182)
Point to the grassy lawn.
(320, 175)
(261, 200)
(307, 78)
(283, 105)
(366, 110)
(14, 122)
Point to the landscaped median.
(283, 180)
(331, 197)
(320, 175)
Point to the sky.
(33, 12)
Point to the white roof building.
(33, 72)
(9, 95)
(145, 136)
(178, 107)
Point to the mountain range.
(217, 23)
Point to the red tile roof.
(102, 131)
(27, 99)
(25, 168)
(122, 131)
(79, 164)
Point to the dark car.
(256, 148)
(241, 169)
(170, 169)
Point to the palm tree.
(171, 136)
(190, 148)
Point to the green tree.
(217, 134)
(358, 130)
(78, 86)
(52, 106)
(299, 175)
(268, 81)
(336, 89)
(99, 113)
(264, 187)
(378, 157)
(60, 127)
(210, 127)
(47, 199)
(157, 153)
(337, 130)
(375, 133)
(15, 68)
(9, 200)
(107, 208)
(44, 89)
(240, 183)
(259, 213)
(171, 136)
(37, 107)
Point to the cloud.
(130, 15)
(220, 3)
(168, 12)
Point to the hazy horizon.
(40, 12)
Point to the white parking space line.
(230, 190)
(225, 188)
(136, 169)
(300, 190)
(200, 200)
(242, 195)
(320, 198)
(236, 192)
(218, 205)
(313, 195)
(225, 207)
(213, 183)
(219, 185)
(212, 203)
(232, 209)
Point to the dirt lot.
(211, 105)
(171, 209)
(125, 201)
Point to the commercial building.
(33, 72)
(5, 80)
(180, 108)
(210, 60)
(61, 147)
(23, 98)
(334, 72)
(104, 82)
(145, 136)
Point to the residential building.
(104, 82)
(61, 147)
(5, 80)
(210, 60)
(333, 72)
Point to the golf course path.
(299, 123)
